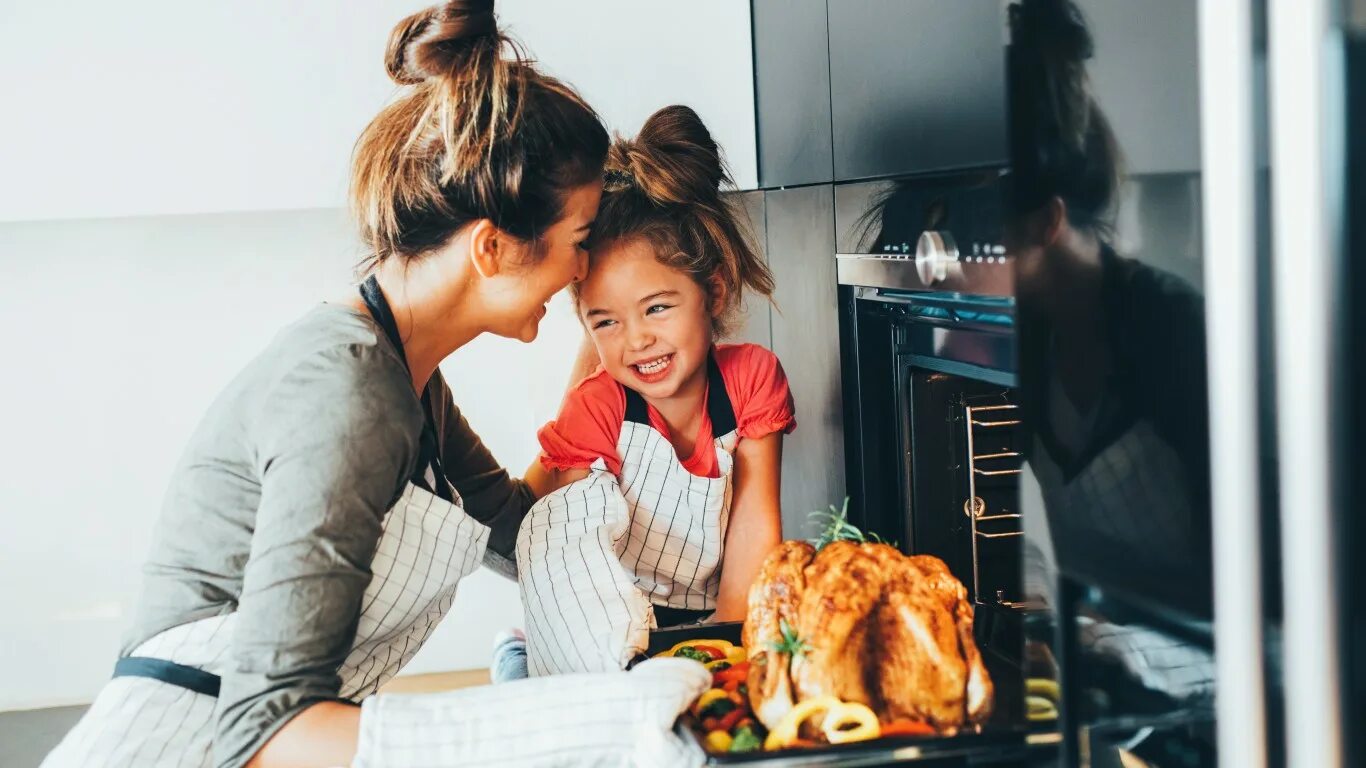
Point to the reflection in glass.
(1112, 377)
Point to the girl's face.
(521, 299)
(652, 324)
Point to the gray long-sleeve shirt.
(275, 511)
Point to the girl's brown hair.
(478, 133)
(665, 186)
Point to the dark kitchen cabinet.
(792, 92)
(916, 85)
(755, 325)
(801, 247)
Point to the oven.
(927, 342)
(932, 414)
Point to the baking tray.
(998, 741)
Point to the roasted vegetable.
(719, 741)
(706, 699)
(746, 739)
(907, 728)
(694, 654)
(785, 732)
(850, 721)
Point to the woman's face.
(651, 323)
(521, 303)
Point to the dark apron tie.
(179, 675)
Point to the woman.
(333, 496)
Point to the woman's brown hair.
(1063, 145)
(478, 133)
(664, 186)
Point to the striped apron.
(605, 559)
(159, 708)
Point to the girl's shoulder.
(588, 424)
(745, 359)
(758, 389)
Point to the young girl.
(666, 460)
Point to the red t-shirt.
(590, 418)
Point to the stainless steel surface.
(975, 507)
(1227, 114)
(1306, 73)
(980, 275)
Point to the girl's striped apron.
(159, 708)
(605, 559)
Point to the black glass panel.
(1103, 227)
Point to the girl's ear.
(717, 296)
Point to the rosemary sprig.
(838, 528)
(790, 643)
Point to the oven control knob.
(933, 253)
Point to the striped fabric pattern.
(678, 520)
(427, 546)
(604, 719)
(596, 555)
(584, 611)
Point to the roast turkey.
(865, 623)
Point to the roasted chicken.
(864, 623)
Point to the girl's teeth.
(653, 366)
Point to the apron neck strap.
(379, 309)
(429, 455)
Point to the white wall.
(151, 107)
(121, 330)
(119, 333)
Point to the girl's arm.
(755, 521)
(543, 481)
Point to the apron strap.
(719, 408)
(429, 454)
(169, 672)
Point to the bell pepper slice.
(784, 734)
(863, 720)
(707, 698)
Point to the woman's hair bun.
(434, 42)
(1056, 27)
(674, 160)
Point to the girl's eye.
(582, 245)
(603, 324)
(657, 308)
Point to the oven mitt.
(604, 719)
(1157, 661)
(584, 612)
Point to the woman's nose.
(581, 269)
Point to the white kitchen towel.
(584, 612)
(604, 719)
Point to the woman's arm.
(755, 521)
(321, 736)
(335, 441)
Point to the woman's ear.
(487, 248)
(1055, 219)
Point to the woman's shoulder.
(332, 364)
